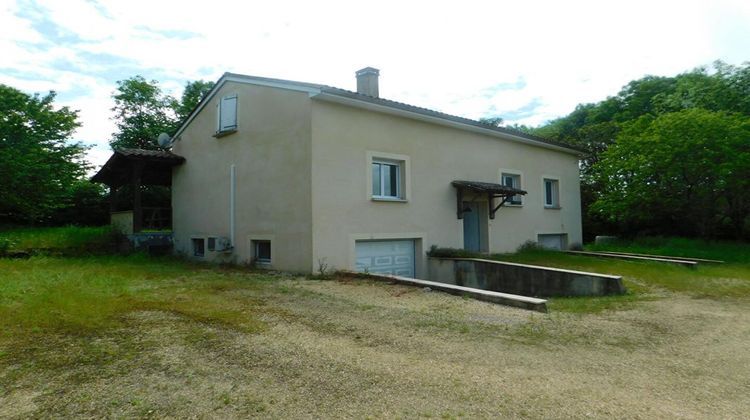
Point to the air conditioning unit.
(223, 245)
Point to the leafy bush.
(531, 246)
(436, 252)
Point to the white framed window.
(262, 251)
(551, 193)
(199, 247)
(386, 179)
(226, 115)
(512, 180)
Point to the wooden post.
(137, 208)
(491, 203)
(112, 199)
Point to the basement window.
(262, 252)
(199, 247)
(211, 244)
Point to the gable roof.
(347, 97)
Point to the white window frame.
(555, 204)
(380, 194)
(518, 202)
(224, 130)
(403, 187)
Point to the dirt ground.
(364, 349)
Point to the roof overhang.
(453, 123)
(155, 167)
(344, 97)
(309, 88)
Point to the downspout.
(232, 183)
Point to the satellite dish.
(164, 140)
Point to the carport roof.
(156, 167)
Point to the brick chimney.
(367, 81)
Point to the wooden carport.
(137, 167)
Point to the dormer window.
(226, 115)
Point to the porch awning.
(154, 167)
(488, 189)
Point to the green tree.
(194, 92)
(38, 162)
(685, 172)
(86, 204)
(596, 127)
(142, 112)
(493, 121)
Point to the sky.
(525, 61)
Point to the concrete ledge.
(517, 301)
(698, 260)
(522, 279)
(684, 263)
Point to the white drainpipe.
(232, 182)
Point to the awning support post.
(494, 210)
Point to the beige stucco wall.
(302, 170)
(342, 139)
(271, 154)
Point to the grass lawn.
(679, 247)
(644, 280)
(116, 336)
(55, 239)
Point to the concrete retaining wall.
(522, 279)
(523, 302)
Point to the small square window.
(386, 179)
(199, 249)
(551, 193)
(211, 244)
(513, 180)
(262, 251)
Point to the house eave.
(322, 92)
(238, 78)
(343, 100)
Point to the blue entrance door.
(471, 227)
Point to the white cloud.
(442, 55)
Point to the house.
(299, 176)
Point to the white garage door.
(386, 257)
(555, 241)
